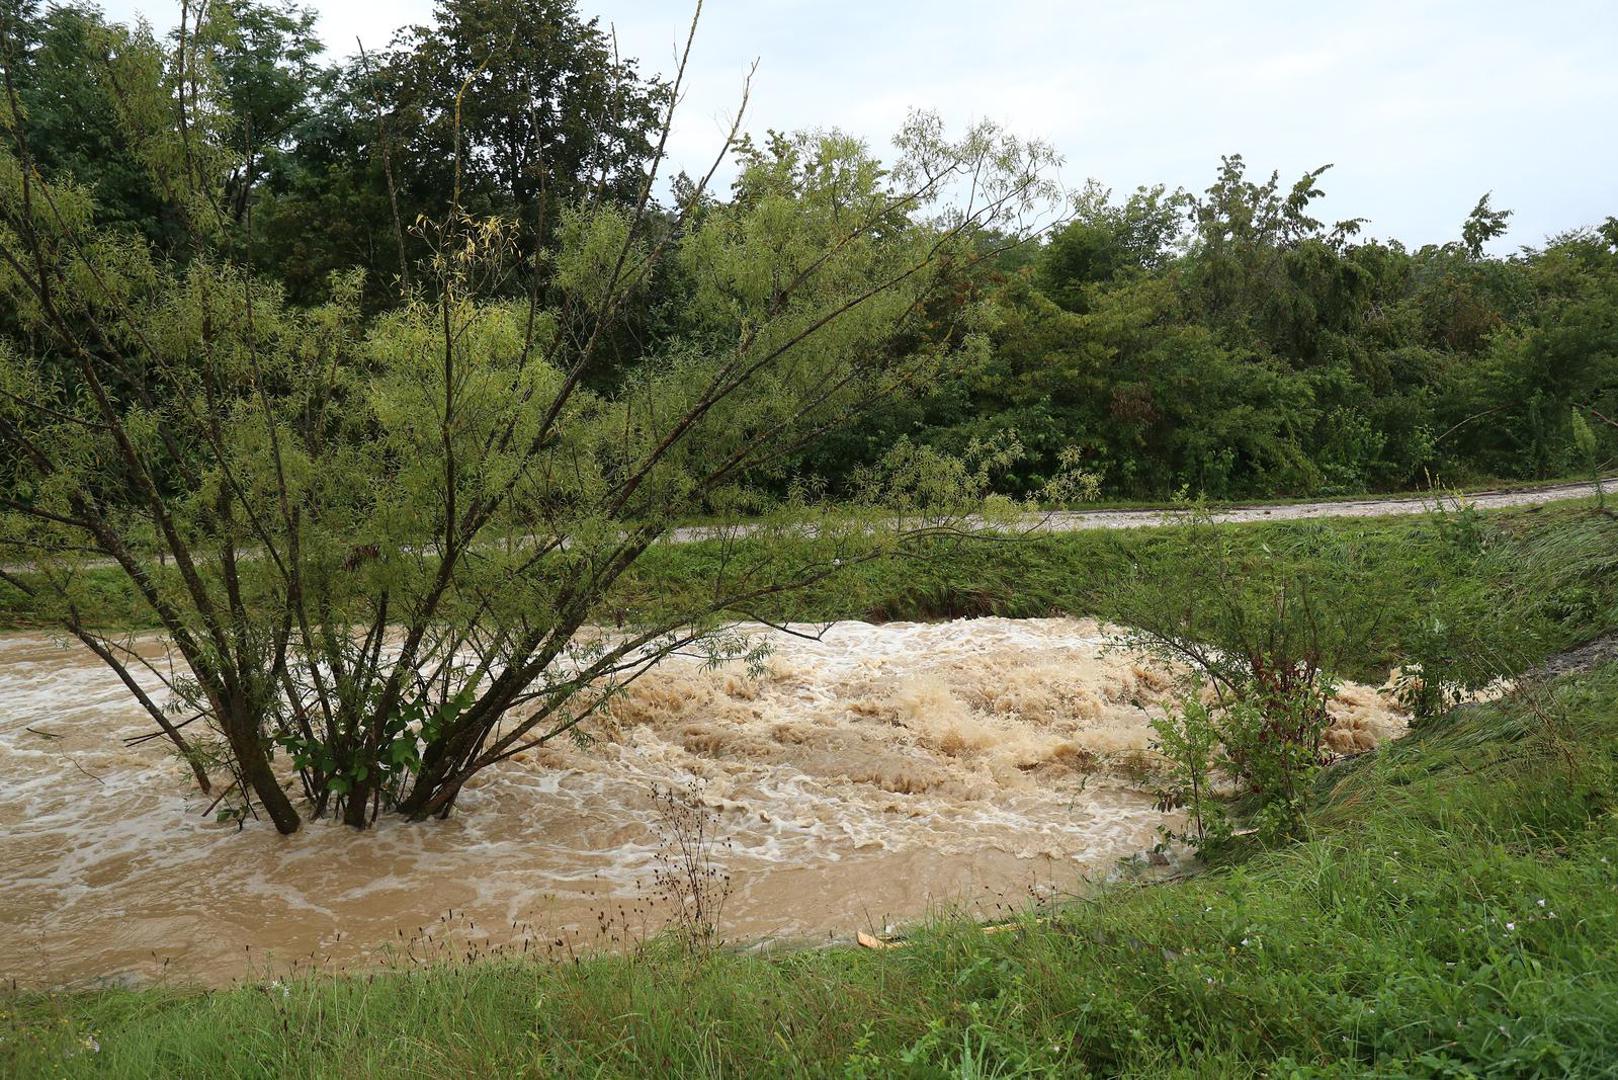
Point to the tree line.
(1225, 342)
(1230, 343)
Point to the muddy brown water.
(864, 779)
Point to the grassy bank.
(1546, 578)
(1535, 563)
(1454, 913)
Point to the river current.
(863, 779)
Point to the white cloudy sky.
(1421, 104)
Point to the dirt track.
(1075, 520)
(1078, 520)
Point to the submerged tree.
(384, 551)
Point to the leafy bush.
(1260, 629)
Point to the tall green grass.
(1546, 577)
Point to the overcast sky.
(1421, 106)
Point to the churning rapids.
(867, 777)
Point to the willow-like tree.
(387, 553)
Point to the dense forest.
(1226, 342)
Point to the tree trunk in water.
(423, 791)
(260, 777)
(426, 793)
(440, 802)
(359, 801)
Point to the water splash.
(862, 778)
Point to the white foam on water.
(864, 777)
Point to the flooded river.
(863, 779)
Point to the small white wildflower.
(1244, 941)
(1511, 926)
(1541, 901)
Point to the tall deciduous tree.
(511, 107)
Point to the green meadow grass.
(1078, 574)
